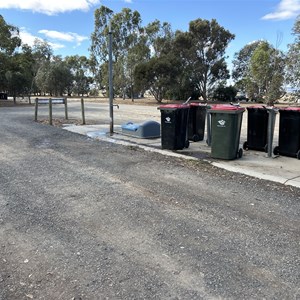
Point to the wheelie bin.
(196, 123)
(289, 132)
(174, 118)
(226, 122)
(257, 128)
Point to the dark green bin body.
(174, 118)
(226, 125)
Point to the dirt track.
(80, 219)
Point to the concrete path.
(285, 170)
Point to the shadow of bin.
(226, 122)
(174, 118)
(289, 132)
(196, 122)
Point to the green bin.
(226, 122)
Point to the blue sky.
(68, 24)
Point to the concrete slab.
(285, 170)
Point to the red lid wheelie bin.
(289, 132)
(226, 122)
(257, 128)
(174, 118)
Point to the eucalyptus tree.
(202, 52)
(128, 46)
(241, 70)
(293, 60)
(99, 45)
(9, 42)
(159, 38)
(54, 77)
(42, 53)
(267, 66)
(158, 73)
(80, 69)
(19, 72)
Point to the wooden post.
(50, 111)
(82, 111)
(66, 108)
(36, 109)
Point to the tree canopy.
(170, 64)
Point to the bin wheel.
(240, 153)
(298, 154)
(196, 138)
(276, 150)
(186, 144)
(246, 146)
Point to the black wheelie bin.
(174, 119)
(226, 122)
(196, 123)
(257, 128)
(289, 132)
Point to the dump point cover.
(173, 106)
(226, 107)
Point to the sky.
(67, 24)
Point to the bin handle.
(187, 101)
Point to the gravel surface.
(83, 219)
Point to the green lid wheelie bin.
(174, 118)
(289, 132)
(226, 122)
(196, 122)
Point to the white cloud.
(28, 38)
(49, 7)
(128, 1)
(286, 9)
(64, 36)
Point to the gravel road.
(83, 219)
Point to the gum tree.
(293, 60)
(9, 42)
(267, 72)
(202, 51)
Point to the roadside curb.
(102, 136)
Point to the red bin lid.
(294, 108)
(197, 104)
(226, 107)
(173, 106)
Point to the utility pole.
(110, 72)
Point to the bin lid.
(174, 106)
(197, 104)
(226, 107)
(294, 108)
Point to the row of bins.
(181, 123)
(289, 130)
